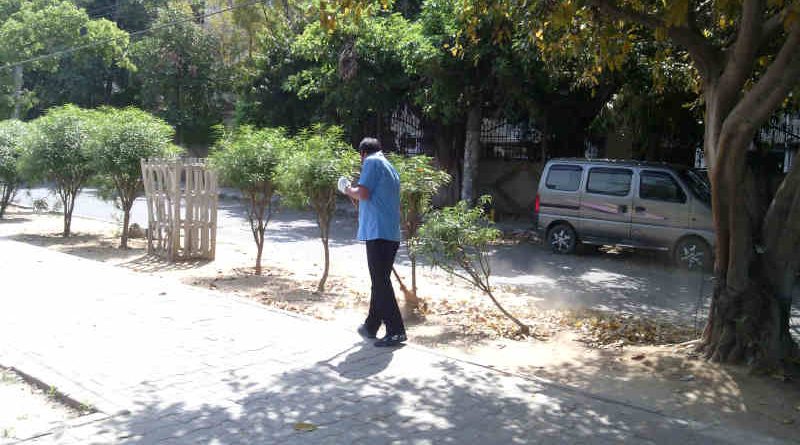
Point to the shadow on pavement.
(354, 403)
(641, 283)
(153, 263)
(700, 390)
(14, 220)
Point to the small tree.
(248, 159)
(122, 138)
(419, 182)
(308, 177)
(457, 240)
(57, 151)
(11, 134)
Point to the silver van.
(627, 204)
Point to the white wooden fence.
(181, 208)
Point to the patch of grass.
(7, 377)
(86, 407)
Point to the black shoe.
(364, 332)
(391, 340)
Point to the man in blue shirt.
(378, 195)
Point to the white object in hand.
(343, 184)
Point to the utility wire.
(131, 34)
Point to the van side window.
(660, 186)
(609, 181)
(564, 177)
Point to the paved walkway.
(169, 364)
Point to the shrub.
(248, 158)
(57, 150)
(457, 239)
(121, 139)
(307, 177)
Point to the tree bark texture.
(259, 212)
(324, 204)
(472, 153)
(7, 192)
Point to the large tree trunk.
(472, 153)
(755, 264)
(447, 145)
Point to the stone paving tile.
(173, 364)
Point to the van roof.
(619, 163)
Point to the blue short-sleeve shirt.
(379, 216)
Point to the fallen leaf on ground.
(304, 426)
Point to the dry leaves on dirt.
(601, 329)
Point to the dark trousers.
(382, 303)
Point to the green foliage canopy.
(29, 29)
(420, 180)
(12, 133)
(180, 76)
(58, 147)
(308, 175)
(123, 137)
(360, 69)
(248, 158)
(457, 240)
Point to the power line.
(131, 34)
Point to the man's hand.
(343, 184)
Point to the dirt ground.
(27, 410)
(639, 361)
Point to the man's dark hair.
(369, 146)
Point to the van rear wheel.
(562, 239)
(693, 253)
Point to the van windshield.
(697, 180)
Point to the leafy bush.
(419, 182)
(248, 159)
(457, 239)
(12, 133)
(57, 150)
(121, 139)
(307, 177)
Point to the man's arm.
(366, 182)
(358, 192)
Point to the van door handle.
(623, 208)
(639, 209)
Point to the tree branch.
(773, 87)
(740, 58)
(706, 56)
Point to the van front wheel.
(562, 239)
